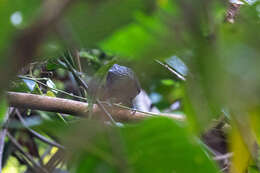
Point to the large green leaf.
(93, 21)
(162, 145)
(155, 145)
(150, 38)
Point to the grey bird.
(121, 86)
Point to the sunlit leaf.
(253, 169)
(255, 123)
(168, 144)
(85, 54)
(177, 64)
(167, 82)
(19, 86)
(50, 94)
(241, 157)
(3, 109)
(51, 85)
(139, 146)
(30, 84)
(96, 21)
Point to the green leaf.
(3, 109)
(177, 64)
(51, 85)
(241, 159)
(253, 169)
(154, 145)
(30, 84)
(19, 86)
(166, 143)
(150, 38)
(68, 57)
(53, 64)
(102, 72)
(87, 55)
(92, 22)
(167, 82)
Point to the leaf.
(167, 82)
(177, 74)
(177, 64)
(53, 64)
(241, 157)
(87, 55)
(151, 37)
(68, 58)
(102, 72)
(3, 109)
(51, 85)
(20, 86)
(50, 94)
(103, 18)
(253, 169)
(254, 119)
(166, 143)
(30, 84)
(154, 145)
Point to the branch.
(26, 155)
(3, 134)
(52, 104)
(37, 135)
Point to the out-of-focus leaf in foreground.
(168, 144)
(15, 15)
(3, 109)
(155, 145)
(241, 157)
(94, 21)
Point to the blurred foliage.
(3, 110)
(14, 17)
(241, 154)
(219, 60)
(133, 147)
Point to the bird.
(121, 86)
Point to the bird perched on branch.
(121, 86)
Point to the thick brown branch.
(52, 104)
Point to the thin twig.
(3, 134)
(37, 135)
(55, 160)
(106, 112)
(22, 160)
(55, 89)
(47, 151)
(76, 52)
(172, 70)
(223, 157)
(25, 154)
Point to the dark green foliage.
(218, 60)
